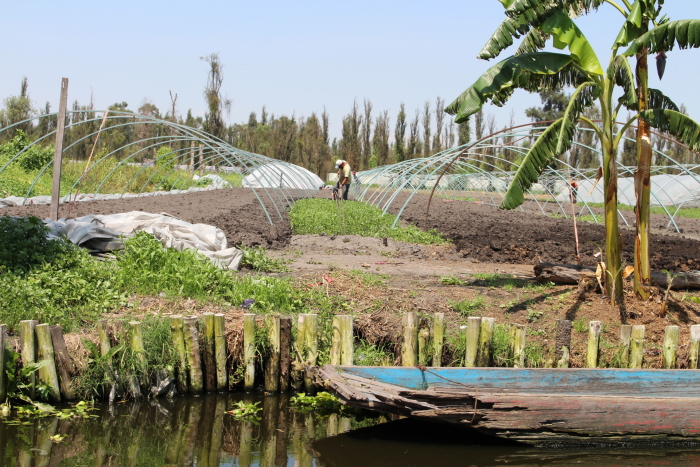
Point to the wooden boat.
(535, 406)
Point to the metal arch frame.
(380, 186)
(218, 151)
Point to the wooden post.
(249, 351)
(105, 345)
(438, 338)
(178, 336)
(194, 362)
(694, 347)
(563, 349)
(625, 338)
(473, 331)
(272, 367)
(341, 342)
(670, 346)
(485, 340)
(285, 352)
(423, 342)
(410, 335)
(3, 383)
(594, 328)
(64, 365)
(220, 351)
(58, 152)
(637, 346)
(45, 355)
(297, 373)
(517, 345)
(136, 343)
(207, 348)
(311, 345)
(27, 340)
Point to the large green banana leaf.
(685, 129)
(634, 25)
(527, 71)
(624, 77)
(685, 33)
(553, 141)
(577, 7)
(567, 34)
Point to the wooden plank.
(563, 343)
(625, 339)
(594, 328)
(272, 365)
(249, 351)
(208, 348)
(572, 274)
(285, 352)
(637, 346)
(409, 350)
(27, 342)
(670, 348)
(45, 356)
(438, 338)
(220, 352)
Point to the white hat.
(338, 163)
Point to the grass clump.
(315, 216)
(367, 354)
(467, 307)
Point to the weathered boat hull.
(535, 406)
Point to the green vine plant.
(246, 412)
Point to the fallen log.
(573, 274)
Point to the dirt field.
(431, 279)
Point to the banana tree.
(535, 71)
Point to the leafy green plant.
(314, 216)
(246, 412)
(366, 354)
(323, 404)
(25, 243)
(256, 258)
(579, 325)
(467, 307)
(451, 280)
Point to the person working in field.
(344, 173)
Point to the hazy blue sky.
(293, 57)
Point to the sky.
(293, 57)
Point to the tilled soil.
(480, 232)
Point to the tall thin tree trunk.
(642, 185)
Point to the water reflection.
(196, 431)
(187, 431)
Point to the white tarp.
(104, 233)
(282, 175)
(666, 190)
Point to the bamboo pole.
(105, 345)
(45, 355)
(178, 337)
(64, 365)
(3, 382)
(485, 342)
(694, 346)
(285, 352)
(220, 351)
(423, 343)
(249, 351)
(335, 341)
(410, 335)
(670, 350)
(517, 345)
(594, 328)
(27, 340)
(472, 347)
(311, 344)
(272, 367)
(207, 348)
(438, 338)
(194, 363)
(563, 349)
(625, 338)
(637, 346)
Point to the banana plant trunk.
(613, 247)
(642, 185)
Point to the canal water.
(196, 432)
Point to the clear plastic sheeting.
(282, 175)
(481, 172)
(105, 233)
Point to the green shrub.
(25, 243)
